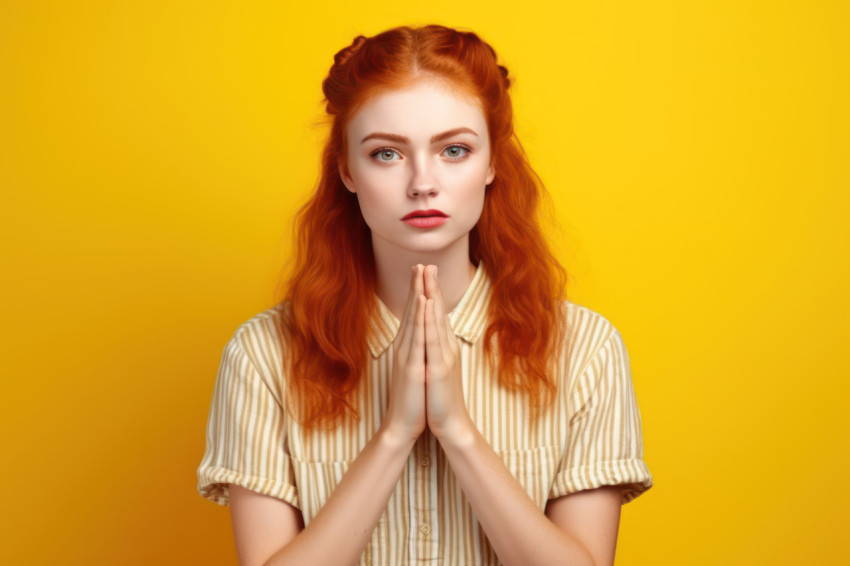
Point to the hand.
(406, 411)
(445, 408)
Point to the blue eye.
(384, 151)
(461, 148)
(456, 152)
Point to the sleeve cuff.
(213, 485)
(632, 474)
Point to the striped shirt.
(590, 438)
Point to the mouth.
(426, 214)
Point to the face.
(419, 149)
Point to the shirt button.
(425, 529)
(426, 461)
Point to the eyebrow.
(401, 139)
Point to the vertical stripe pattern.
(591, 437)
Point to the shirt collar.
(467, 319)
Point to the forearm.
(340, 531)
(519, 531)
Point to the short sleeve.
(246, 433)
(605, 444)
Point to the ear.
(346, 180)
(491, 174)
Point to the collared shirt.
(590, 438)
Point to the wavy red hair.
(330, 294)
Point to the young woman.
(424, 392)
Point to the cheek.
(473, 173)
(377, 179)
(375, 205)
(471, 188)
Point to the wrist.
(393, 440)
(461, 434)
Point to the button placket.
(422, 523)
(430, 470)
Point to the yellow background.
(152, 154)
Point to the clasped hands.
(426, 386)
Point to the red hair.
(330, 294)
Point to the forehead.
(420, 110)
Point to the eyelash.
(466, 148)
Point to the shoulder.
(587, 333)
(260, 338)
(585, 323)
(263, 323)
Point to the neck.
(392, 268)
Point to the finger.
(433, 349)
(440, 317)
(429, 277)
(419, 289)
(420, 279)
(429, 280)
(435, 292)
(417, 350)
(405, 331)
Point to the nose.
(422, 183)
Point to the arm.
(341, 530)
(593, 517)
(521, 534)
(577, 529)
(260, 523)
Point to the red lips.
(429, 212)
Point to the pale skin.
(426, 391)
